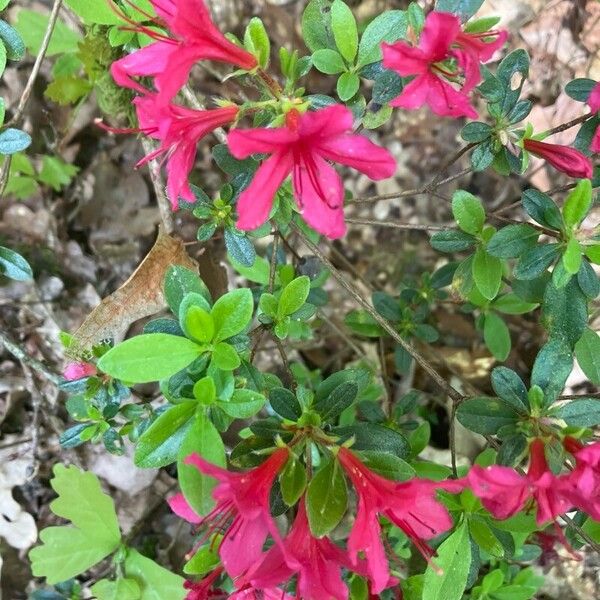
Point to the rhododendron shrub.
(303, 481)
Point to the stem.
(272, 85)
(273, 266)
(569, 124)
(454, 394)
(398, 225)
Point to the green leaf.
(119, 589)
(257, 273)
(511, 304)
(292, 480)
(389, 26)
(285, 403)
(13, 265)
(476, 132)
(453, 559)
(232, 313)
(564, 312)
(485, 415)
(69, 551)
(293, 296)
(373, 436)
(496, 336)
(341, 398)
(156, 582)
(159, 445)
(578, 203)
(572, 257)
(149, 357)
(14, 47)
(199, 325)
(535, 262)
(13, 141)
(580, 89)
(225, 357)
(202, 438)
(541, 208)
(551, 368)
(584, 412)
(326, 499)
(243, 404)
(316, 25)
(487, 273)
(587, 351)
(179, 282)
(94, 13)
(256, 41)
(32, 27)
(239, 246)
(344, 29)
(484, 537)
(328, 61)
(513, 240)
(2, 68)
(452, 241)
(387, 465)
(347, 86)
(509, 386)
(468, 212)
(56, 172)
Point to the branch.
(454, 394)
(28, 360)
(398, 225)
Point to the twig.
(286, 362)
(36, 401)
(569, 124)
(29, 87)
(454, 394)
(453, 158)
(164, 206)
(21, 355)
(397, 225)
(273, 265)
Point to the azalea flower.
(316, 561)
(242, 509)
(594, 104)
(584, 480)
(504, 492)
(179, 129)
(562, 158)
(431, 85)
(476, 49)
(411, 506)
(303, 148)
(78, 370)
(203, 589)
(169, 59)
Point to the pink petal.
(594, 99)
(146, 62)
(326, 122)
(255, 202)
(208, 468)
(445, 101)
(414, 94)
(243, 545)
(595, 147)
(246, 142)
(319, 193)
(179, 166)
(176, 73)
(439, 33)
(404, 59)
(360, 153)
(179, 505)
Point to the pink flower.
(179, 130)
(503, 492)
(242, 509)
(594, 104)
(562, 158)
(303, 148)
(431, 85)
(478, 48)
(251, 593)
(170, 59)
(317, 562)
(78, 370)
(410, 505)
(203, 589)
(584, 480)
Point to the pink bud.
(78, 370)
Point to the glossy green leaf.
(587, 351)
(496, 336)
(149, 357)
(578, 203)
(513, 240)
(389, 26)
(584, 412)
(156, 582)
(118, 589)
(552, 366)
(285, 403)
(485, 415)
(180, 281)
(328, 61)
(326, 499)
(13, 265)
(293, 481)
(243, 404)
(293, 296)
(510, 387)
(468, 212)
(232, 313)
(345, 31)
(347, 86)
(487, 273)
(224, 356)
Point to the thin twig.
(569, 124)
(286, 362)
(397, 225)
(36, 401)
(164, 206)
(453, 158)
(21, 355)
(454, 394)
(273, 265)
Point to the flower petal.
(255, 202)
(439, 33)
(594, 99)
(246, 142)
(180, 506)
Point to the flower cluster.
(242, 516)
